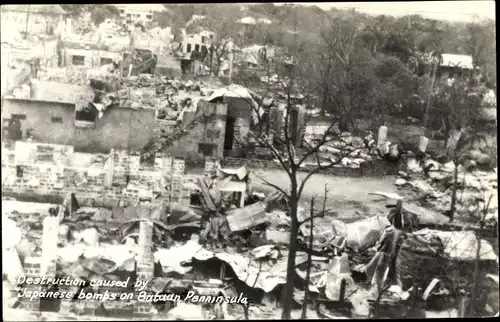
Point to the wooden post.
(130, 69)
(27, 21)
(398, 220)
(242, 199)
(211, 59)
(343, 285)
(422, 146)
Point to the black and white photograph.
(249, 161)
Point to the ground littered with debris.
(214, 248)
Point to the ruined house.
(133, 13)
(60, 113)
(90, 55)
(194, 48)
(241, 109)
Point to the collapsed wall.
(100, 180)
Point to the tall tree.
(481, 46)
(395, 86)
(455, 106)
(344, 72)
(375, 34)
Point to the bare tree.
(291, 159)
(343, 72)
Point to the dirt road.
(346, 196)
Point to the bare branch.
(314, 171)
(275, 187)
(322, 142)
(276, 153)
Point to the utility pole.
(230, 60)
(211, 58)
(27, 22)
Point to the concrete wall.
(39, 119)
(194, 40)
(92, 57)
(119, 128)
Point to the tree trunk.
(453, 205)
(473, 307)
(309, 262)
(323, 105)
(290, 269)
(343, 124)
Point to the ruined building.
(63, 114)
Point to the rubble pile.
(67, 75)
(169, 96)
(350, 150)
(434, 181)
(180, 248)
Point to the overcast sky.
(441, 10)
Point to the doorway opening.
(229, 136)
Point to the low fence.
(377, 168)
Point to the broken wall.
(97, 179)
(205, 137)
(164, 127)
(54, 123)
(119, 128)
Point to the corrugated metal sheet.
(246, 217)
(254, 272)
(462, 245)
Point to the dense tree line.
(355, 65)
(402, 37)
